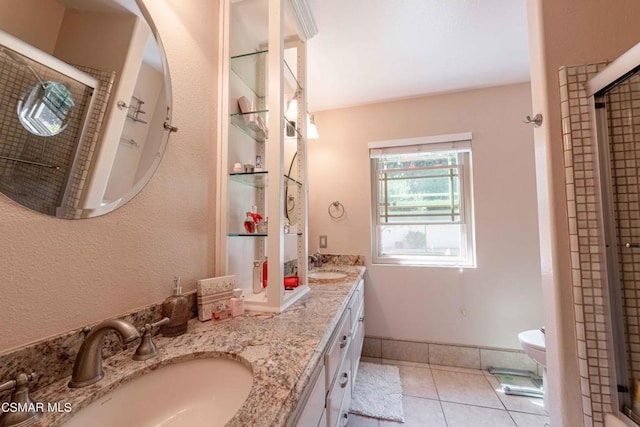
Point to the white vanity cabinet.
(326, 401)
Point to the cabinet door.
(313, 410)
(357, 341)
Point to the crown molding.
(304, 17)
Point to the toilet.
(534, 346)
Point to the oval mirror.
(85, 102)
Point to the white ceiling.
(374, 50)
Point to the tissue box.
(210, 292)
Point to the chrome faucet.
(87, 369)
(317, 259)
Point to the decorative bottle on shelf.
(249, 224)
(257, 277)
(257, 218)
(176, 308)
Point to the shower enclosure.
(615, 97)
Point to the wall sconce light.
(292, 116)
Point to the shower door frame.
(617, 72)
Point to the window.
(422, 202)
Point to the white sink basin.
(201, 392)
(326, 274)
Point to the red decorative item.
(256, 217)
(291, 281)
(249, 224)
(264, 274)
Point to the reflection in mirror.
(45, 109)
(88, 80)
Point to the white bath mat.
(378, 392)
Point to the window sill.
(404, 262)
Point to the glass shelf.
(247, 66)
(258, 179)
(260, 234)
(292, 180)
(248, 124)
(253, 179)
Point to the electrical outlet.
(323, 241)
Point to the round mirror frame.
(97, 209)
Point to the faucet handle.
(26, 413)
(160, 322)
(21, 380)
(147, 348)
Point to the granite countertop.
(282, 350)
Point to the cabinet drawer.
(339, 395)
(357, 337)
(338, 348)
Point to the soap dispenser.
(176, 308)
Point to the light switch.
(323, 241)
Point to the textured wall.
(483, 306)
(60, 274)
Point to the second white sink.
(327, 274)
(201, 392)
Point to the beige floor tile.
(530, 420)
(460, 387)
(456, 369)
(419, 412)
(405, 363)
(359, 421)
(418, 382)
(530, 405)
(458, 415)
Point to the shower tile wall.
(587, 259)
(36, 187)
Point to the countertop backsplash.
(336, 260)
(52, 358)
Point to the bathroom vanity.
(303, 361)
(328, 397)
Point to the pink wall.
(566, 32)
(59, 274)
(44, 16)
(487, 305)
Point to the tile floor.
(443, 396)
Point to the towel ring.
(338, 210)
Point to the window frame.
(460, 143)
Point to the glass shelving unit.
(256, 69)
